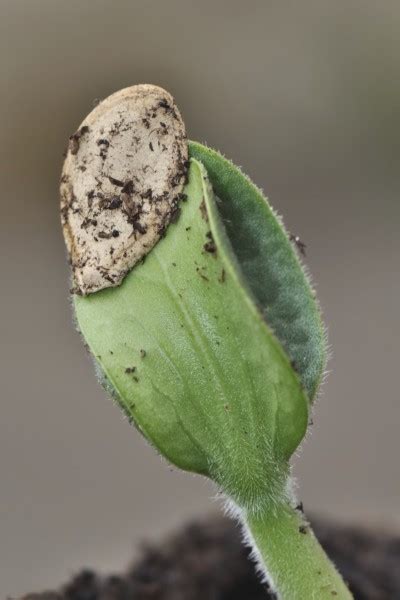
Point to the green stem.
(296, 566)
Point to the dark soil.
(206, 561)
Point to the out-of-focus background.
(306, 97)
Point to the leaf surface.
(270, 266)
(191, 359)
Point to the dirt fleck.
(301, 246)
(303, 529)
(204, 277)
(107, 235)
(128, 187)
(110, 203)
(210, 247)
(115, 181)
(75, 138)
(203, 210)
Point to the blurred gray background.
(306, 97)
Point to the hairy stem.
(291, 558)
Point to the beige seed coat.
(121, 183)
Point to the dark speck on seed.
(164, 104)
(116, 182)
(87, 221)
(74, 139)
(110, 203)
(106, 236)
(148, 194)
(151, 147)
(142, 353)
(139, 227)
(130, 370)
(127, 187)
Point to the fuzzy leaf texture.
(214, 346)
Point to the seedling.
(204, 327)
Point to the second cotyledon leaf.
(270, 266)
(187, 346)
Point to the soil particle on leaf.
(301, 246)
(199, 272)
(128, 187)
(207, 561)
(203, 210)
(303, 529)
(210, 247)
